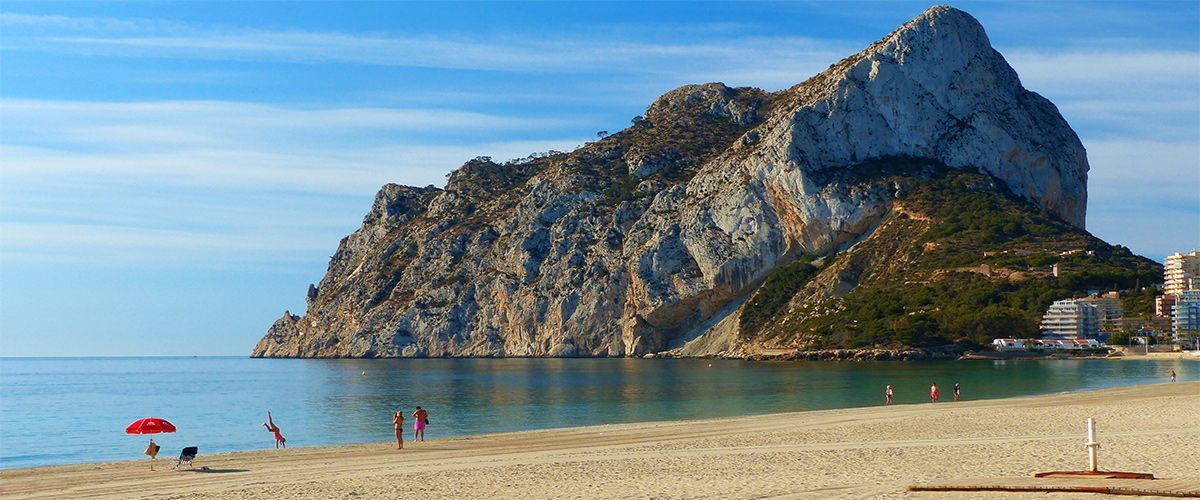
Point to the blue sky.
(174, 175)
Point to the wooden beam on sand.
(1179, 488)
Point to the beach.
(856, 452)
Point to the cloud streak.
(225, 122)
(159, 181)
(545, 53)
(1131, 105)
(1103, 83)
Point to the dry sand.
(1136, 354)
(860, 452)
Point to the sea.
(73, 410)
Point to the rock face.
(652, 236)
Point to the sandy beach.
(859, 452)
(1136, 354)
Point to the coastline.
(846, 452)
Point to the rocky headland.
(914, 194)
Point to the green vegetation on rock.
(959, 259)
(778, 289)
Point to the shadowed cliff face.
(631, 244)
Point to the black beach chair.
(187, 455)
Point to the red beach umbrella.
(150, 425)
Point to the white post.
(1092, 445)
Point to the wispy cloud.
(1105, 83)
(1121, 93)
(17, 20)
(1130, 104)
(518, 53)
(228, 123)
(1135, 185)
(310, 169)
(115, 182)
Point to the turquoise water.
(60, 411)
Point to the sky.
(174, 175)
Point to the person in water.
(420, 420)
(398, 423)
(270, 425)
(933, 393)
(887, 395)
(957, 394)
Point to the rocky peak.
(483, 174)
(691, 103)
(941, 29)
(936, 89)
(395, 204)
(659, 232)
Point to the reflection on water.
(219, 403)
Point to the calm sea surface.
(60, 410)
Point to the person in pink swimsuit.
(270, 425)
(420, 420)
(933, 393)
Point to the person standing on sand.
(1172, 375)
(957, 394)
(152, 450)
(398, 423)
(887, 395)
(933, 393)
(270, 425)
(420, 420)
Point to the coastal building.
(1186, 320)
(1045, 344)
(1009, 345)
(1039, 344)
(1069, 344)
(1071, 319)
(1159, 324)
(1164, 305)
(1181, 272)
(1108, 306)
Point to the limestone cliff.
(646, 239)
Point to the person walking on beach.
(933, 393)
(957, 394)
(1172, 375)
(270, 425)
(420, 420)
(398, 423)
(887, 395)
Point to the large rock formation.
(656, 234)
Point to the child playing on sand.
(420, 420)
(933, 393)
(398, 423)
(270, 425)
(887, 395)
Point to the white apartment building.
(1181, 272)
(1071, 319)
